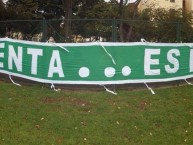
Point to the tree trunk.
(124, 29)
(67, 4)
(121, 23)
(134, 14)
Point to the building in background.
(186, 5)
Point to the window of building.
(172, 1)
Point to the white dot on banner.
(84, 72)
(126, 70)
(109, 72)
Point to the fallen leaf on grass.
(135, 127)
(37, 126)
(83, 123)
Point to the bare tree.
(121, 28)
(67, 6)
(134, 15)
(124, 28)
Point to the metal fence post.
(178, 32)
(114, 39)
(44, 30)
(113, 30)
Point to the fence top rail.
(90, 19)
(19, 21)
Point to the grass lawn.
(32, 115)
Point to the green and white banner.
(96, 62)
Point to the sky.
(4, 1)
(119, 0)
(104, 0)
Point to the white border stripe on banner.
(76, 82)
(2, 45)
(95, 43)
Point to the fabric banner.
(96, 62)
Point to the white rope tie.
(189, 83)
(53, 87)
(107, 53)
(143, 40)
(60, 46)
(150, 89)
(13, 81)
(114, 93)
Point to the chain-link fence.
(86, 30)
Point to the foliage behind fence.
(85, 30)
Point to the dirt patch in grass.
(143, 105)
(80, 102)
(47, 100)
(72, 100)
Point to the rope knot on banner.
(112, 92)
(13, 81)
(143, 40)
(189, 83)
(153, 93)
(53, 87)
